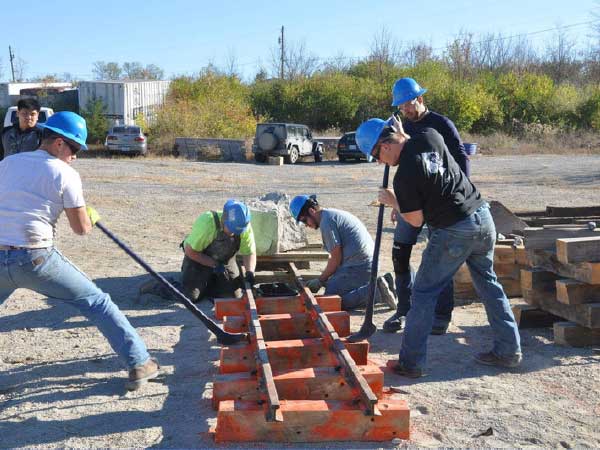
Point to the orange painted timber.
(290, 354)
(277, 327)
(273, 305)
(311, 421)
(315, 383)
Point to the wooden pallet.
(298, 380)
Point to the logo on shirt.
(434, 163)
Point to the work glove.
(314, 285)
(92, 214)
(250, 278)
(219, 269)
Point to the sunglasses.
(73, 147)
(376, 151)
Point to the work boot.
(491, 359)
(140, 375)
(394, 323)
(389, 278)
(387, 295)
(410, 372)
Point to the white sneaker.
(387, 295)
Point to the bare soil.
(61, 385)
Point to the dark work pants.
(200, 281)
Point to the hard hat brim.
(70, 136)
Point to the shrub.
(588, 111)
(97, 123)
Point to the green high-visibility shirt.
(204, 231)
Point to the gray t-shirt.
(344, 229)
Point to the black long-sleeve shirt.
(448, 130)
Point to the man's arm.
(79, 220)
(249, 262)
(199, 257)
(455, 146)
(334, 261)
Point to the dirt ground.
(61, 385)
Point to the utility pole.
(282, 46)
(11, 56)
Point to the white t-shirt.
(35, 187)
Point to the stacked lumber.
(560, 215)
(509, 259)
(298, 379)
(564, 280)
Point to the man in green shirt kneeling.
(209, 268)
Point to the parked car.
(126, 139)
(289, 140)
(348, 149)
(10, 118)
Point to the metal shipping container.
(125, 99)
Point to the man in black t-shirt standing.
(429, 187)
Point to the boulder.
(275, 230)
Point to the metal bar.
(264, 373)
(348, 366)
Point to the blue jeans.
(352, 284)
(47, 272)
(472, 241)
(405, 233)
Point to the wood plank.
(280, 276)
(311, 421)
(504, 254)
(584, 271)
(273, 305)
(569, 211)
(528, 316)
(314, 383)
(521, 256)
(290, 354)
(573, 292)
(572, 335)
(587, 315)
(538, 279)
(578, 250)
(276, 327)
(294, 256)
(545, 238)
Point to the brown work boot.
(141, 374)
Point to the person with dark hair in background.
(24, 136)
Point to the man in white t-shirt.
(35, 188)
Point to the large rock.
(275, 230)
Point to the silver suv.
(289, 140)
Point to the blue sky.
(182, 36)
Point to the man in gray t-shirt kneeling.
(350, 248)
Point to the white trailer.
(125, 100)
(11, 92)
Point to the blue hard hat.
(68, 124)
(236, 216)
(406, 89)
(368, 134)
(297, 204)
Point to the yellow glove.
(92, 214)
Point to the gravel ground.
(61, 386)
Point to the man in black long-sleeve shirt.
(408, 97)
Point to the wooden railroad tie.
(298, 380)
